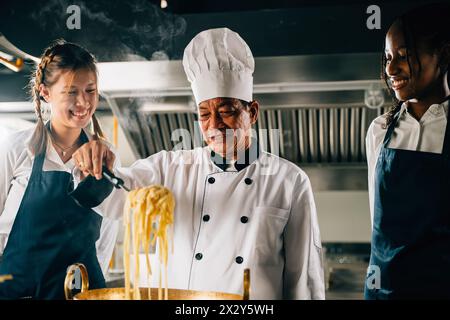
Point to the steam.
(132, 30)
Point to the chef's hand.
(90, 157)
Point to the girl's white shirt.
(16, 162)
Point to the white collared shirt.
(426, 135)
(16, 162)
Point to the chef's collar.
(436, 109)
(244, 158)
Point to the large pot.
(119, 293)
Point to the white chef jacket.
(426, 135)
(280, 242)
(16, 162)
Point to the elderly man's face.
(226, 124)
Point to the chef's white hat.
(218, 63)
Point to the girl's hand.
(90, 157)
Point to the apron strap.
(83, 137)
(38, 162)
(37, 166)
(390, 130)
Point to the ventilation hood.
(316, 102)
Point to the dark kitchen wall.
(140, 30)
(115, 29)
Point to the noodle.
(147, 214)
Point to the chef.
(237, 206)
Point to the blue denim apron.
(50, 232)
(411, 228)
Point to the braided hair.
(427, 24)
(60, 55)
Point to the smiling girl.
(44, 229)
(408, 152)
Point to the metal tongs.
(115, 181)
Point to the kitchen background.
(316, 78)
